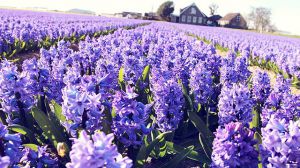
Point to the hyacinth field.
(121, 93)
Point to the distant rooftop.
(229, 16)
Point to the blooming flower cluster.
(261, 86)
(133, 67)
(130, 120)
(57, 68)
(282, 85)
(233, 146)
(213, 64)
(201, 83)
(15, 99)
(98, 151)
(9, 145)
(83, 109)
(85, 99)
(282, 51)
(235, 104)
(34, 28)
(38, 159)
(106, 69)
(281, 103)
(281, 143)
(234, 70)
(36, 77)
(228, 75)
(168, 105)
(16, 155)
(4, 161)
(241, 69)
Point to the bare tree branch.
(213, 8)
(261, 19)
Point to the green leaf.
(206, 136)
(15, 60)
(58, 111)
(3, 117)
(200, 125)
(23, 45)
(146, 73)
(56, 117)
(121, 79)
(49, 130)
(194, 155)
(206, 145)
(106, 127)
(31, 146)
(13, 53)
(24, 131)
(19, 129)
(196, 120)
(191, 142)
(145, 151)
(113, 113)
(255, 120)
(205, 165)
(199, 107)
(178, 158)
(160, 149)
(82, 37)
(41, 104)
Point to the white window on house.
(223, 22)
(193, 11)
(189, 19)
(238, 18)
(199, 19)
(183, 18)
(194, 19)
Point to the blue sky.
(285, 13)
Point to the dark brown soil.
(21, 57)
(74, 47)
(187, 163)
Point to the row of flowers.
(122, 97)
(22, 31)
(279, 50)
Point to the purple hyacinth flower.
(261, 86)
(280, 143)
(98, 151)
(13, 94)
(4, 161)
(234, 146)
(201, 84)
(10, 143)
(39, 159)
(281, 103)
(169, 100)
(130, 120)
(235, 104)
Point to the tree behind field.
(261, 19)
(213, 8)
(165, 10)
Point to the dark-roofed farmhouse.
(213, 20)
(190, 15)
(233, 20)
